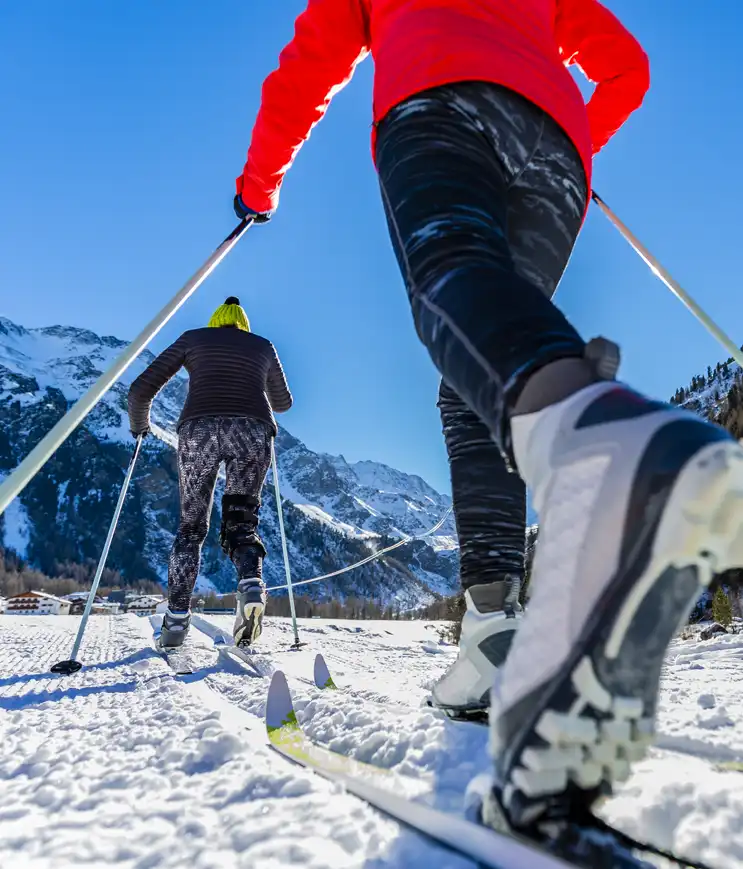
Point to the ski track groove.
(127, 764)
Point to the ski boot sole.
(473, 714)
(588, 731)
(252, 626)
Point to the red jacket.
(524, 45)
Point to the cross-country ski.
(321, 674)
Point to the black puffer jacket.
(231, 373)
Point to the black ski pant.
(244, 445)
(484, 195)
(489, 502)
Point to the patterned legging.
(244, 445)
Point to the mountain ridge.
(336, 512)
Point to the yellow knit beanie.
(230, 314)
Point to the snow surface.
(125, 765)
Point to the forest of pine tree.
(17, 577)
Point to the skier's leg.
(246, 449)
(198, 464)
(639, 502)
(489, 502)
(490, 512)
(445, 185)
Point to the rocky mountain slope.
(336, 512)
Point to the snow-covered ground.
(124, 765)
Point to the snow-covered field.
(124, 765)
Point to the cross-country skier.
(235, 382)
(483, 147)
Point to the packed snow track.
(126, 765)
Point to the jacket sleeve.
(606, 52)
(144, 389)
(277, 388)
(329, 40)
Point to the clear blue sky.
(125, 122)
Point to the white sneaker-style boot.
(640, 504)
(488, 627)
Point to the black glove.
(245, 213)
(141, 434)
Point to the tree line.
(16, 577)
(307, 608)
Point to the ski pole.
(21, 476)
(66, 668)
(657, 269)
(290, 591)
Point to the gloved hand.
(243, 212)
(143, 434)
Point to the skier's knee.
(448, 398)
(240, 509)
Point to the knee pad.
(239, 522)
(240, 509)
(242, 540)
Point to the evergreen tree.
(722, 610)
(455, 609)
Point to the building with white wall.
(36, 603)
(144, 605)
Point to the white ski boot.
(490, 621)
(251, 604)
(640, 504)
(174, 629)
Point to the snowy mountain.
(718, 396)
(710, 394)
(336, 512)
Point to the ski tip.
(280, 714)
(323, 679)
(727, 765)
